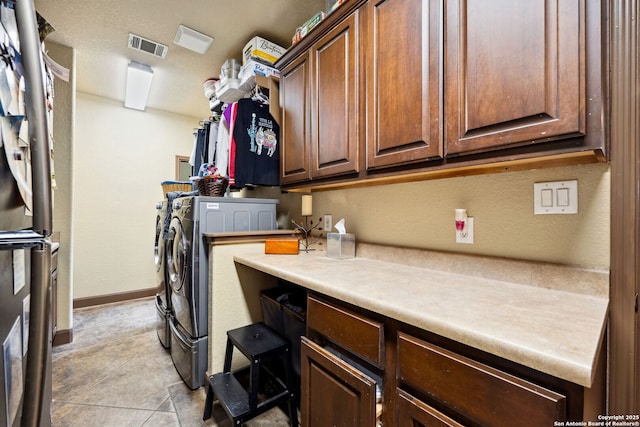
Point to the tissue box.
(341, 246)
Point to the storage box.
(304, 29)
(229, 90)
(284, 245)
(341, 246)
(262, 50)
(312, 22)
(285, 310)
(257, 68)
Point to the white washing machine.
(188, 270)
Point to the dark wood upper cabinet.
(295, 130)
(514, 73)
(385, 88)
(403, 83)
(335, 101)
(320, 100)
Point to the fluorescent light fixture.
(138, 84)
(192, 40)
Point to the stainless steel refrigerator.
(25, 222)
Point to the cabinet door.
(334, 393)
(412, 412)
(515, 73)
(295, 129)
(335, 95)
(403, 69)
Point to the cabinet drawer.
(478, 392)
(352, 331)
(414, 412)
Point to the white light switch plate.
(558, 197)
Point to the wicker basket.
(211, 186)
(168, 186)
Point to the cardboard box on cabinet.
(262, 50)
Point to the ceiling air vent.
(147, 46)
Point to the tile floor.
(116, 373)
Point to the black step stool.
(260, 344)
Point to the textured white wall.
(120, 158)
(63, 134)
(421, 215)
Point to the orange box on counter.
(282, 246)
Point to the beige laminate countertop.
(550, 329)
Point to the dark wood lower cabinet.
(426, 380)
(334, 393)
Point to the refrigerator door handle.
(39, 347)
(36, 109)
(35, 100)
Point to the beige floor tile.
(74, 415)
(116, 373)
(162, 419)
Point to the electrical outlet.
(328, 223)
(466, 236)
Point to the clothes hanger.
(258, 96)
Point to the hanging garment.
(232, 144)
(192, 157)
(257, 152)
(205, 142)
(222, 147)
(211, 142)
(200, 148)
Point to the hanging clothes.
(211, 142)
(257, 153)
(192, 157)
(222, 147)
(200, 151)
(233, 111)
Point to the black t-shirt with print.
(257, 138)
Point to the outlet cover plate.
(328, 223)
(466, 237)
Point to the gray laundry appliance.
(163, 297)
(188, 267)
